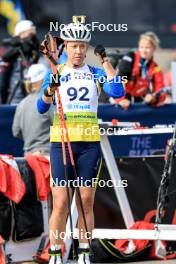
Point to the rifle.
(163, 197)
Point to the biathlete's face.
(146, 49)
(76, 52)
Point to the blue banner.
(133, 145)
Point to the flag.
(13, 12)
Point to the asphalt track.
(152, 262)
(143, 262)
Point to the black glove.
(100, 51)
(54, 81)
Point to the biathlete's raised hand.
(44, 49)
(47, 47)
(100, 52)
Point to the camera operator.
(22, 52)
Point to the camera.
(17, 46)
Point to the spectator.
(28, 124)
(145, 78)
(168, 74)
(22, 52)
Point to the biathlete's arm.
(44, 102)
(112, 85)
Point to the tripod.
(20, 83)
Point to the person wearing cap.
(23, 52)
(28, 124)
(79, 89)
(24, 28)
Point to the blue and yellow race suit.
(79, 91)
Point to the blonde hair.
(152, 37)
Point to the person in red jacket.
(145, 78)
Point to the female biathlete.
(79, 85)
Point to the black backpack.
(104, 251)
